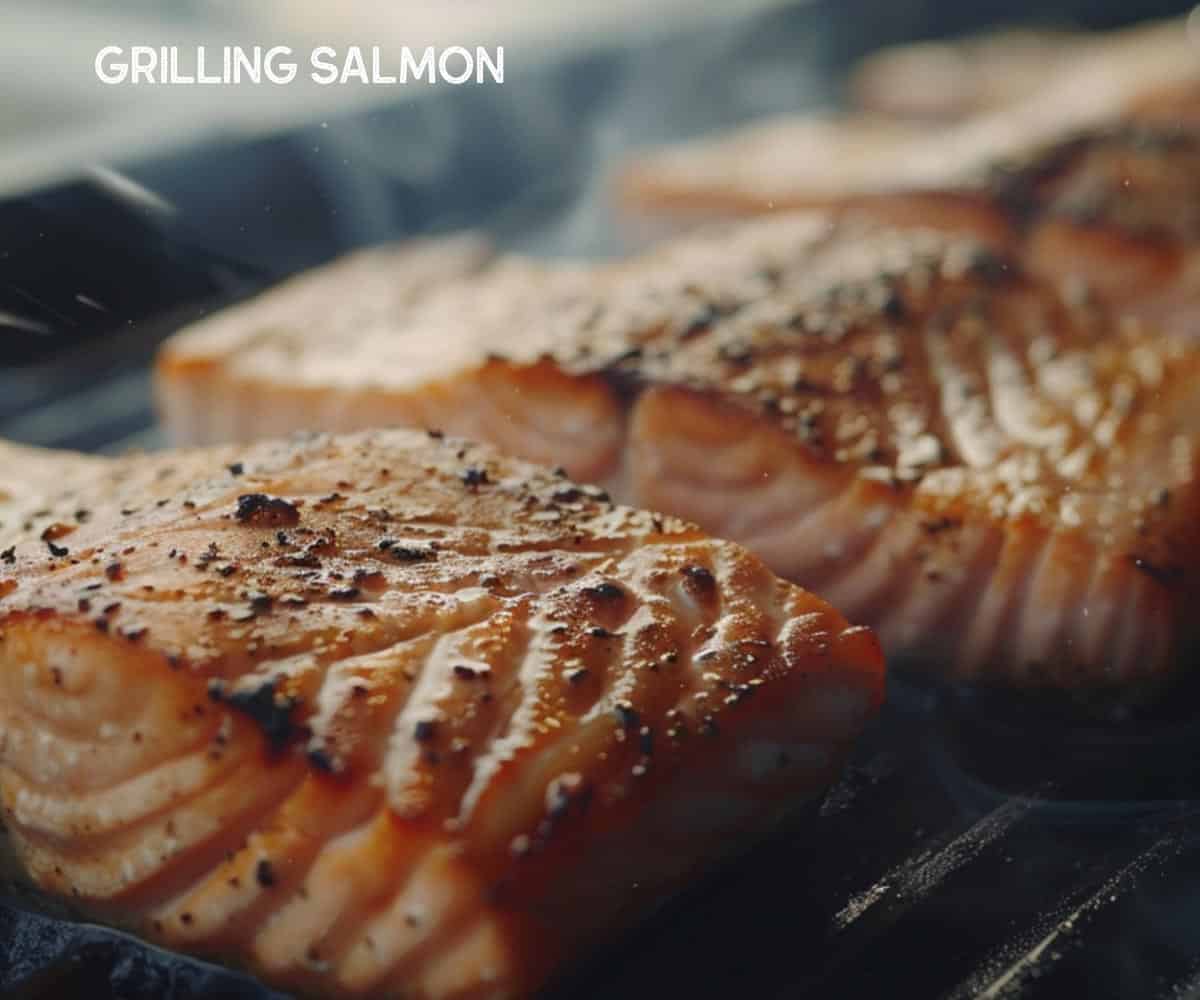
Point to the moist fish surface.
(391, 715)
(1000, 477)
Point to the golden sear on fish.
(391, 715)
(1001, 477)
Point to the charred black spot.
(628, 355)
(260, 601)
(474, 477)
(566, 793)
(270, 711)
(892, 305)
(700, 578)
(940, 524)
(1167, 576)
(699, 322)
(989, 267)
(605, 591)
(626, 715)
(259, 508)
(407, 553)
(322, 760)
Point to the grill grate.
(968, 851)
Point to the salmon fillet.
(951, 79)
(1001, 479)
(390, 715)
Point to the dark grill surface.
(974, 847)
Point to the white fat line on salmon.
(916, 877)
(1001, 973)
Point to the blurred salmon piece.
(1092, 176)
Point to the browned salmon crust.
(1000, 478)
(390, 715)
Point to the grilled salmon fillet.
(999, 477)
(390, 715)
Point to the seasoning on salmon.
(362, 774)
